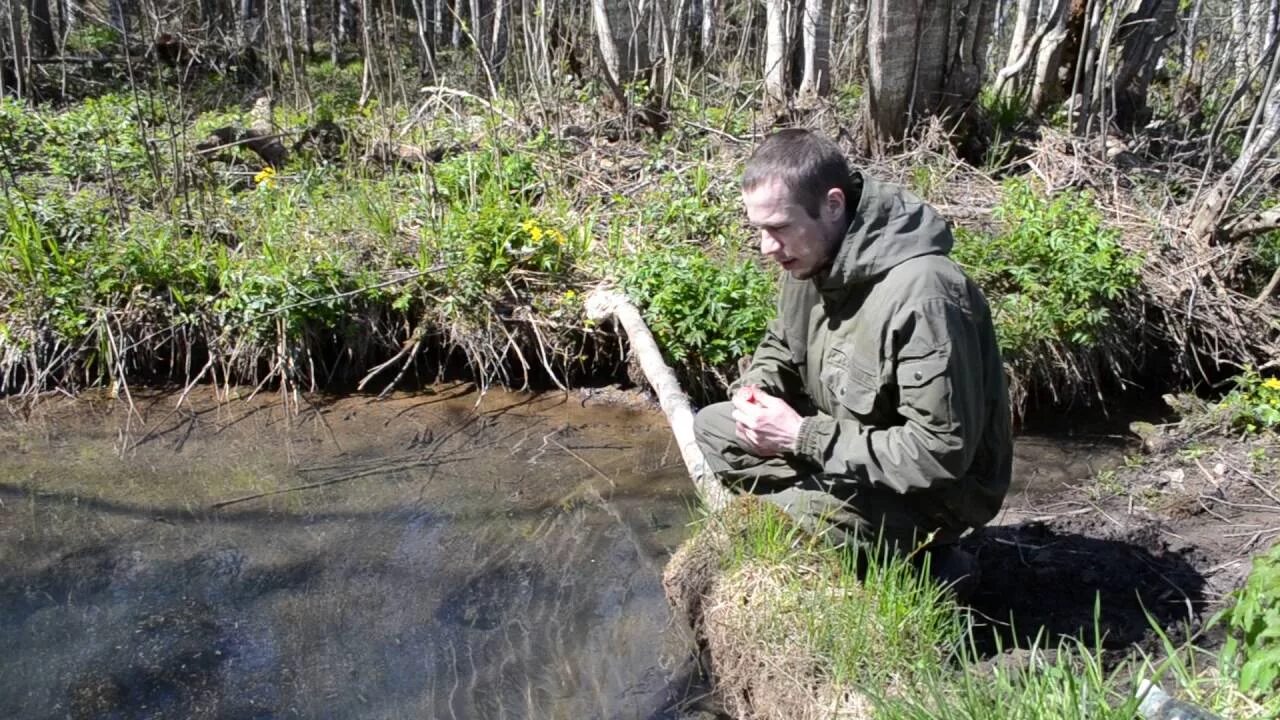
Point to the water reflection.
(437, 557)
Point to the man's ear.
(833, 206)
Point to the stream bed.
(444, 555)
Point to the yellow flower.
(531, 227)
(266, 177)
(1271, 384)
(557, 236)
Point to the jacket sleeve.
(771, 366)
(940, 414)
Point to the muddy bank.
(1096, 543)
(443, 555)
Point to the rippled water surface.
(442, 555)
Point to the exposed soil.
(1095, 543)
(1170, 538)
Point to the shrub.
(1054, 274)
(703, 309)
(1252, 648)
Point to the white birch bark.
(816, 28)
(603, 304)
(777, 50)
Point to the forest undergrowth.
(203, 232)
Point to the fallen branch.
(602, 304)
(1254, 224)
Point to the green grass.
(898, 639)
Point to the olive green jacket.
(891, 355)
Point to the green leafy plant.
(1254, 404)
(1253, 629)
(1054, 274)
(702, 308)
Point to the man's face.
(801, 244)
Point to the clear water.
(435, 556)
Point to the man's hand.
(766, 425)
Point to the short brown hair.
(807, 164)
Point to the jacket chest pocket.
(848, 383)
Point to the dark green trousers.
(839, 509)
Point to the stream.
(445, 554)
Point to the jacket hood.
(890, 226)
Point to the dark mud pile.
(1103, 557)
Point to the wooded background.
(1092, 65)
(1177, 95)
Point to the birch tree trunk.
(426, 37)
(66, 18)
(622, 38)
(816, 25)
(17, 68)
(1189, 40)
(1022, 45)
(1263, 132)
(603, 304)
(707, 29)
(1240, 32)
(777, 31)
(1052, 53)
(308, 30)
(499, 36)
(41, 23)
(345, 25)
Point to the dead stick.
(583, 460)
(602, 304)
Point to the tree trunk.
(455, 31)
(423, 16)
(346, 20)
(601, 305)
(1240, 32)
(777, 49)
(855, 30)
(707, 29)
(621, 36)
(1263, 132)
(972, 22)
(923, 58)
(499, 37)
(1189, 41)
(41, 27)
(14, 73)
(1052, 55)
(1144, 33)
(250, 23)
(308, 31)
(817, 48)
(66, 18)
(1022, 45)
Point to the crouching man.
(876, 405)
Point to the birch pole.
(603, 304)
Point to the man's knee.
(713, 427)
